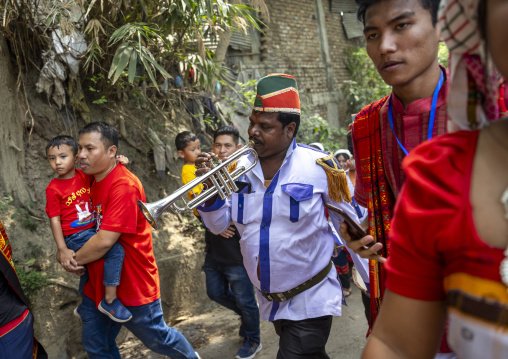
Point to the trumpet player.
(278, 210)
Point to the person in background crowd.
(318, 146)
(449, 233)
(16, 321)
(68, 208)
(227, 282)
(342, 157)
(402, 40)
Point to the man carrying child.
(68, 207)
(114, 194)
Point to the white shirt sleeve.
(217, 217)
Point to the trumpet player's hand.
(203, 165)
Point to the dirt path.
(215, 335)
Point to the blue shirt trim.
(312, 148)
(275, 307)
(218, 204)
(264, 236)
(240, 208)
(294, 210)
(357, 207)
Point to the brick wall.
(291, 44)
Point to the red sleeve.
(360, 196)
(88, 179)
(431, 198)
(121, 213)
(52, 202)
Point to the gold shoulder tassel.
(338, 190)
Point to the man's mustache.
(255, 140)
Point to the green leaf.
(132, 66)
(149, 71)
(122, 61)
(210, 7)
(150, 58)
(30, 262)
(143, 5)
(116, 59)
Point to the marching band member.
(286, 241)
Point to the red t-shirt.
(433, 237)
(70, 199)
(115, 205)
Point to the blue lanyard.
(432, 117)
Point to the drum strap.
(281, 297)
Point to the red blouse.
(433, 236)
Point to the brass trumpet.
(223, 185)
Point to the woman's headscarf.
(472, 100)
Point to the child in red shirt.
(68, 206)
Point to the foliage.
(96, 80)
(131, 51)
(316, 129)
(31, 280)
(442, 55)
(366, 85)
(5, 201)
(244, 96)
(127, 38)
(24, 216)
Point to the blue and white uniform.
(284, 229)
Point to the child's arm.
(66, 255)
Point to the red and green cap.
(277, 93)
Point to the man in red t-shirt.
(114, 196)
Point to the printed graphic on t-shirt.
(98, 216)
(83, 213)
(77, 195)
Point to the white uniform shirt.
(284, 229)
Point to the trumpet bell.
(148, 213)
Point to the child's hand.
(66, 259)
(121, 159)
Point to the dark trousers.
(19, 342)
(303, 338)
